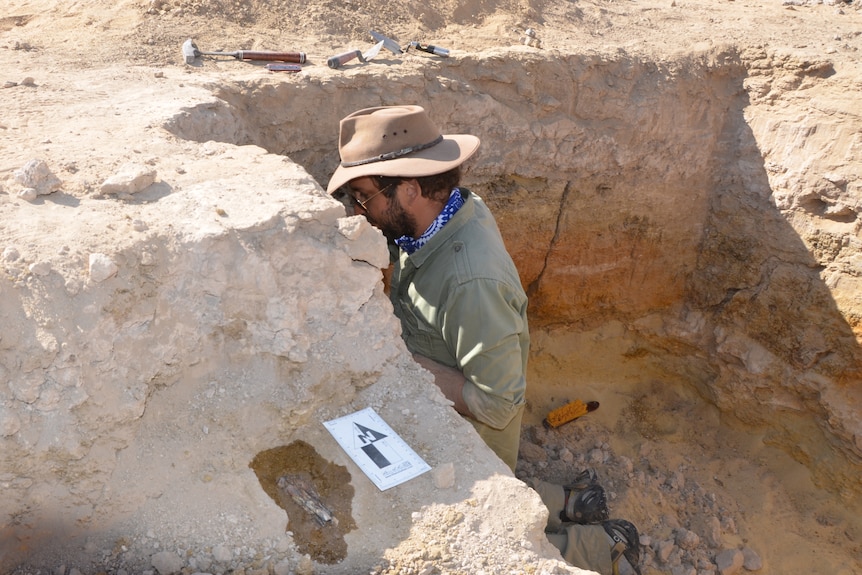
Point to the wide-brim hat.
(396, 141)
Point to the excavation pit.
(634, 197)
(629, 192)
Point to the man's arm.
(450, 381)
(484, 327)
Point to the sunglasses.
(364, 203)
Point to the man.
(463, 311)
(454, 286)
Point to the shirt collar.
(453, 204)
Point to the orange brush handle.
(569, 412)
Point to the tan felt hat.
(396, 141)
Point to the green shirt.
(460, 302)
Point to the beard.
(395, 222)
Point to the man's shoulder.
(480, 224)
(479, 250)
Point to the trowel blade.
(190, 51)
(388, 43)
(372, 52)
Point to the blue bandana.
(454, 204)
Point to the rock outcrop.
(241, 313)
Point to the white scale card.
(378, 451)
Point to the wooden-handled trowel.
(340, 59)
(388, 43)
(191, 51)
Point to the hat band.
(393, 155)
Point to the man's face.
(382, 212)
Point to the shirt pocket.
(422, 337)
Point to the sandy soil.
(693, 470)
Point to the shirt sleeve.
(483, 326)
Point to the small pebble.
(40, 268)
(101, 267)
(10, 254)
(28, 194)
(687, 539)
(729, 561)
(751, 561)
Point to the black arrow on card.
(368, 437)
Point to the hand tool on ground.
(284, 67)
(436, 50)
(388, 43)
(191, 51)
(340, 59)
(531, 39)
(569, 412)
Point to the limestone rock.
(226, 337)
(713, 532)
(366, 242)
(28, 194)
(10, 423)
(751, 560)
(129, 179)
(531, 451)
(40, 268)
(444, 476)
(101, 267)
(729, 561)
(36, 175)
(687, 539)
(167, 562)
(10, 254)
